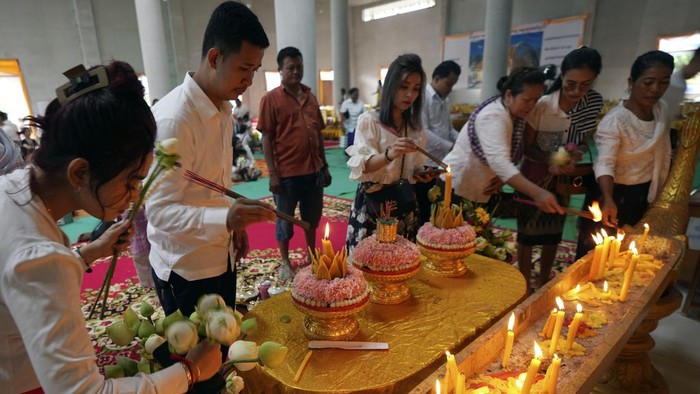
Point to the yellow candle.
(606, 291)
(448, 189)
(451, 374)
(532, 371)
(552, 375)
(557, 327)
(461, 380)
(509, 341)
(615, 248)
(437, 386)
(629, 275)
(573, 327)
(593, 273)
(644, 238)
(326, 246)
(549, 324)
(604, 255)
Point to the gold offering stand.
(388, 287)
(444, 261)
(331, 325)
(619, 360)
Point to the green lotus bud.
(114, 372)
(129, 365)
(131, 319)
(209, 302)
(153, 342)
(249, 326)
(243, 350)
(221, 326)
(197, 320)
(272, 354)
(171, 318)
(159, 326)
(145, 366)
(182, 336)
(120, 333)
(146, 309)
(146, 329)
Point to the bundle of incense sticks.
(583, 214)
(200, 180)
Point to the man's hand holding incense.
(246, 211)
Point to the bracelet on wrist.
(88, 269)
(192, 371)
(386, 154)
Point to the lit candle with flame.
(509, 341)
(532, 371)
(606, 291)
(644, 238)
(629, 275)
(448, 189)
(552, 375)
(451, 373)
(593, 273)
(326, 246)
(615, 248)
(573, 327)
(594, 209)
(437, 386)
(557, 326)
(603, 255)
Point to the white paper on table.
(348, 345)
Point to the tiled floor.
(677, 352)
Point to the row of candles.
(607, 249)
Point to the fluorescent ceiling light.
(395, 8)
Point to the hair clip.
(81, 81)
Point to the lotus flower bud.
(168, 146)
(209, 302)
(171, 318)
(131, 319)
(114, 372)
(145, 366)
(234, 383)
(159, 326)
(120, 333)
(197, 320)
(249, 326)
(146, 329)
(272, 354)
(182, 336)
(129, 365)
(560, 157)
(221, 326)
(146, 309)
(243, 350)
(153, 342)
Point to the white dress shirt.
(371, 138)
(43, 340)
(187, 222)
(634, 151)
(494, 128)
(439, 134)
(11, 131)
(355, 109)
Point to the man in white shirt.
(9, 128)
(439, 134)
(351, 109)
(196, 234)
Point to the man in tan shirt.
(291, 123)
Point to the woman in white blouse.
(384, 151)
(633, 141)
(96, 148)
(490, 144)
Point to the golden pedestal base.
(331, 325)
(445, 262)
(632, 371)
(389, 288)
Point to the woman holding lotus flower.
(97, 144)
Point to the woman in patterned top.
(566, 115)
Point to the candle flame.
(595, 211)
(448, 169)
(554, 311)
(511, 321)
(597, 238)
(603, 233)
(560, 303)
(538, 351)
(437, 386)
(327, 232)
(579, 308)
(519, 384)
(646, 226)
(620, 235)
(555, 356)
(634, 250)
(605, 286)
(633, 245)
(578, 288)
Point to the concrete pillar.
(85, 21)
(295, 24)
(153, 47)
(339, 48)
(496, 44)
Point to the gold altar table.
(442, 314)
